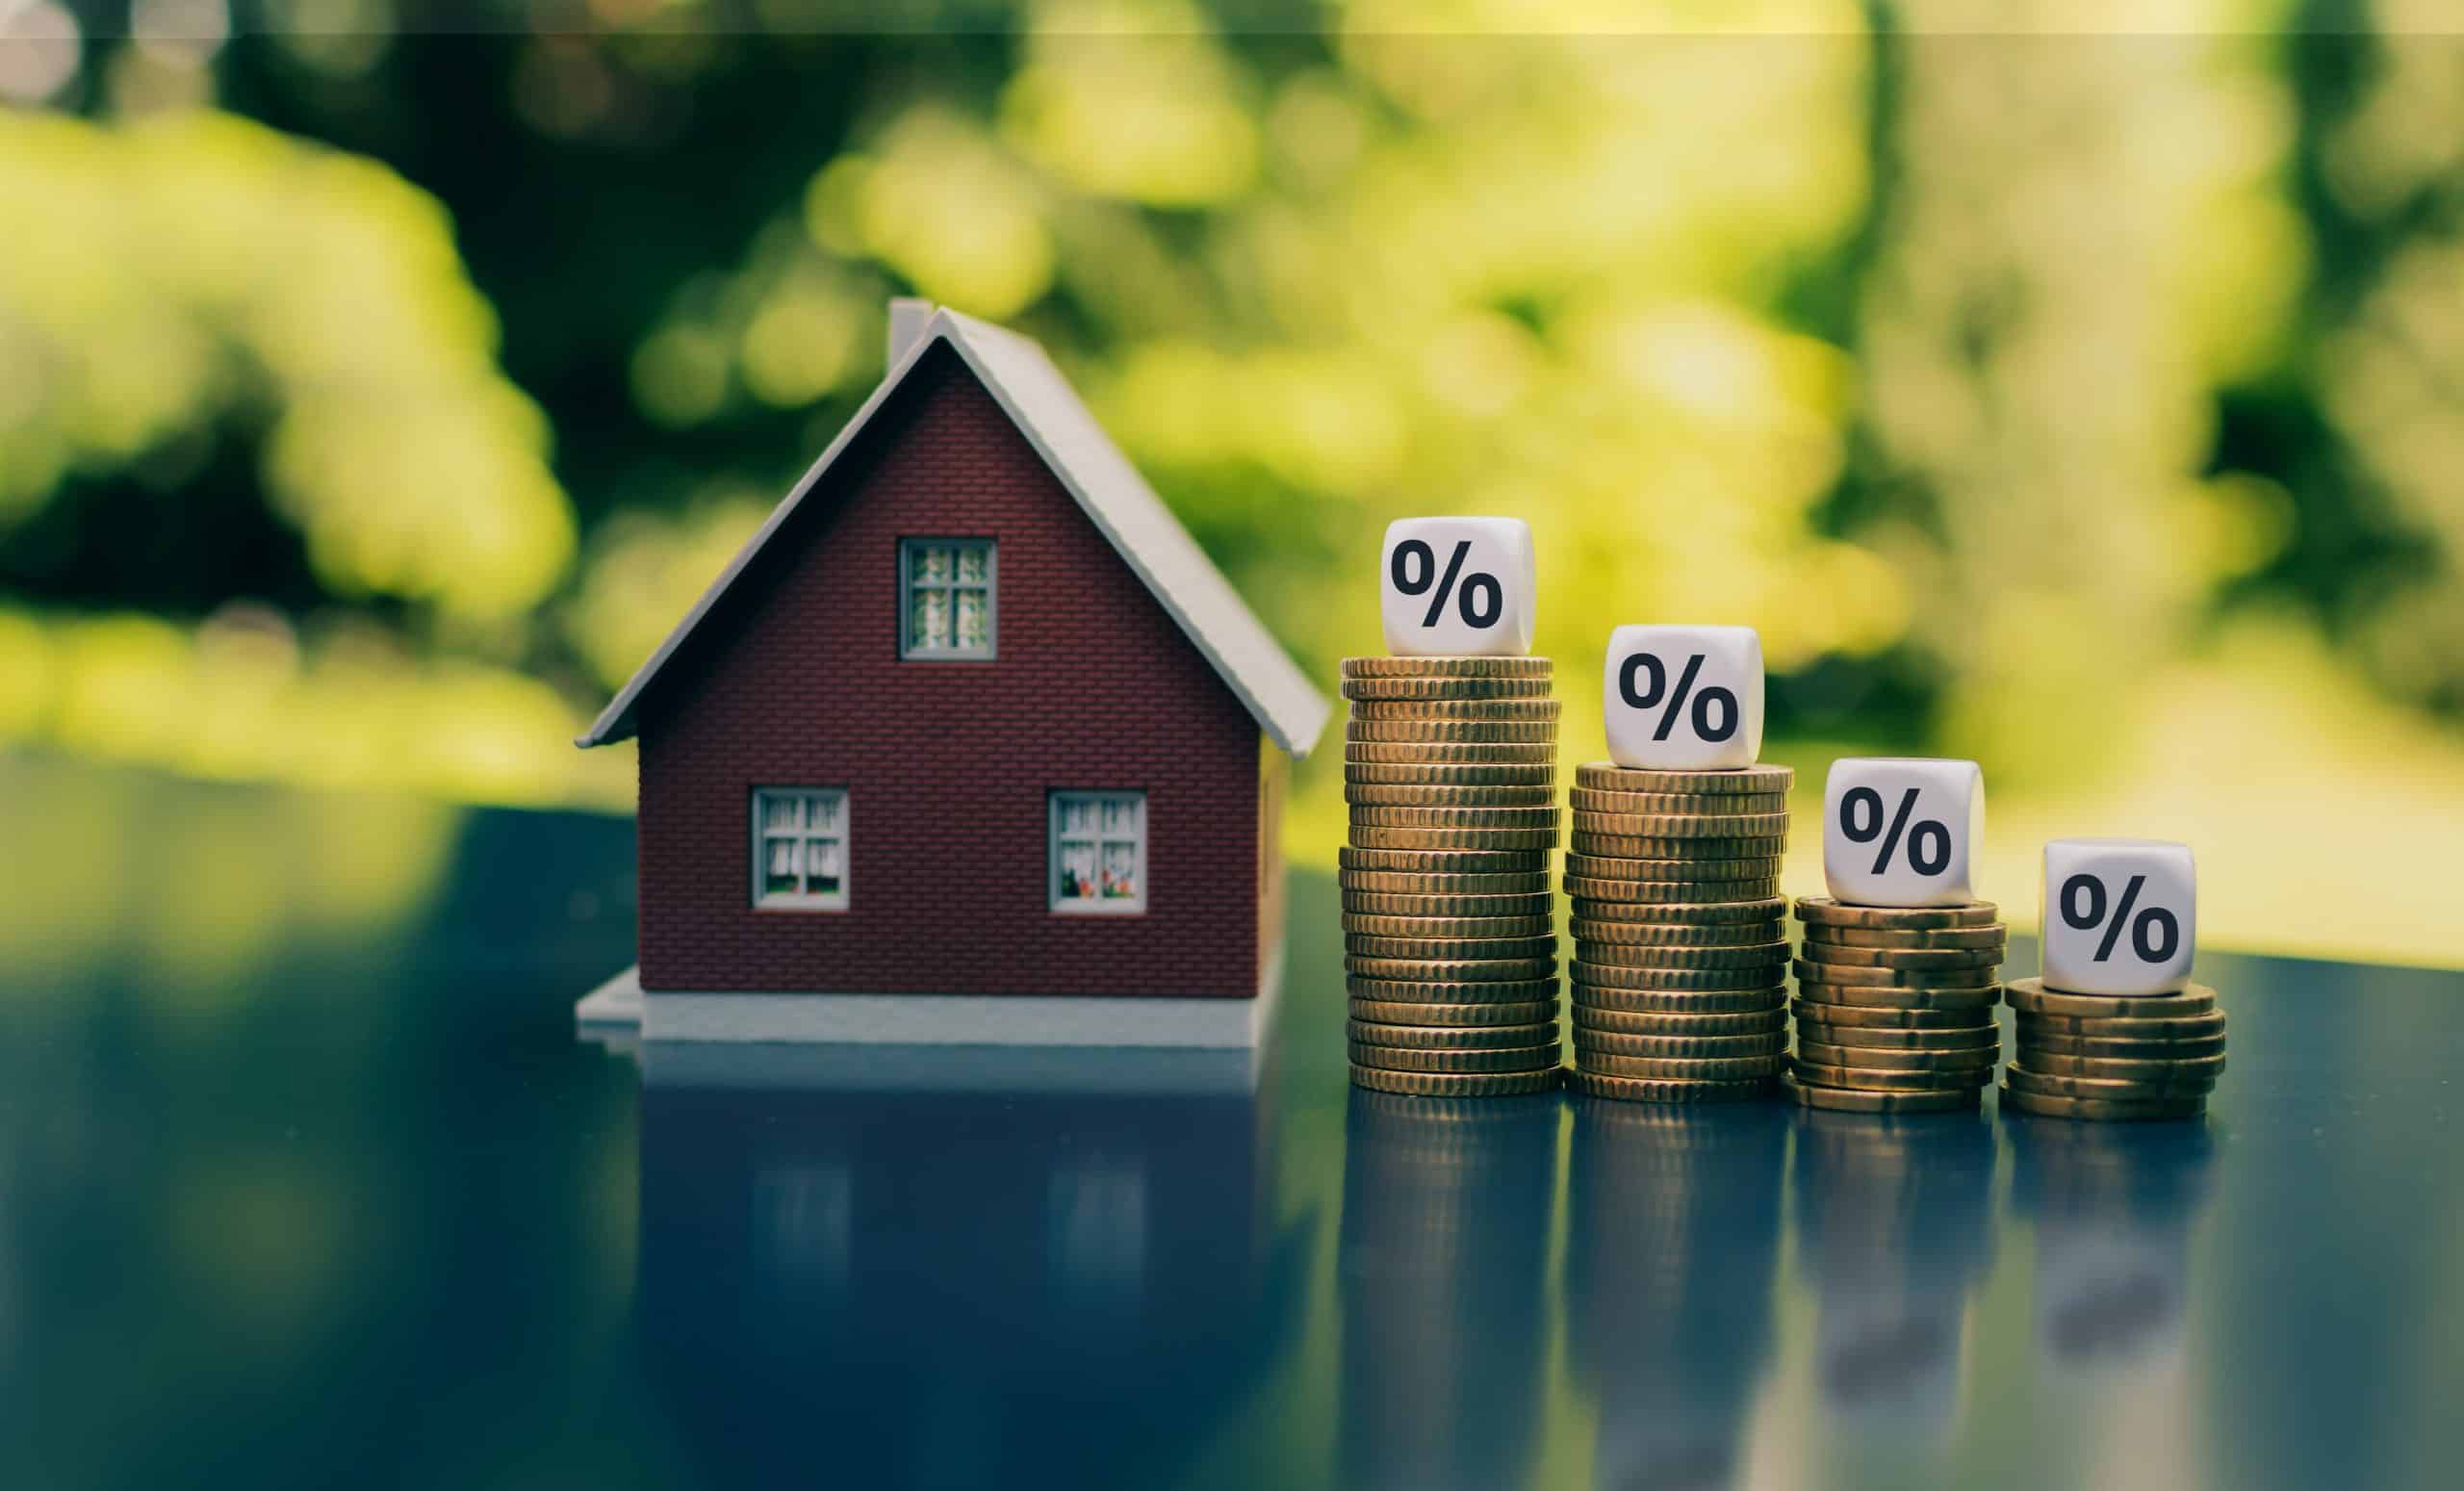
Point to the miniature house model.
(971, 743)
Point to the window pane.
(932, 619)
(1120, 871)
(778, 811)
(1115, 818)
(824, 811)
(1077, 817)
(784, 863)
(929, 564)
(1077, 872)
(970, 568)
(972, 613)
(821, 866)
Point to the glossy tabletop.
(352, 1205)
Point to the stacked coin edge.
(2113, 1058)
(1895, 1006)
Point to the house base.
(663, 1015)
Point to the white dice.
(2119, 916)
(1685, 698)
(1902, 830)
(1458, 586)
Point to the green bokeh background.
(2076, 389)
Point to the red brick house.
(972, 742)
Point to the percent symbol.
(1413, 550)
(1867, 804)
(1655, 685)
(2154, 933)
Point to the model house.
(972, 742)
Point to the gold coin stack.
(1450, 932)
(1680, 948)
(2113, 1056)
(1894, 1006)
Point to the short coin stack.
(1680, 948)
(1449, 936)
(2113, 1056)
(1894, 1010)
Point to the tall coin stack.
(1450, 940)
(2114, 1057)
(1680, 948)
(1895, 1006)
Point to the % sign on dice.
(1902, 831)
(1685, 698)
(2119, 916)
(1457, 586)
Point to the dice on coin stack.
(2114, 1029)
(1901, 964)
(1673, 870)
(1449, 772)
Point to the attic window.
(946, 598)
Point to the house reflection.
(1444, 1246)
(895, 1266)
(1671, 1251)
(1895, 1222)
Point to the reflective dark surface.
(306, 1180)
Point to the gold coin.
(1454, 991)
(1647, 1089)
(2121, 1069)
(1451, 774)
(2103, 1110)
(1460, 1017)
(1897, 997)
(1370, 794)
(1494, 841)
(1436, 687)
(2020, 1078)
(1368, 903)
(1396, 1058)
(1760, 955)
(1684, 1046)
(1679, 934)
(2030, 996)
(1809, 971)
(1970, 1017)
(1609, 777)
(1604, 975)
(1413, 883)
(1624, 1022)
(1446, 928)
(1521, 711)
(1872, 1080)
(2187, 1027)
(1855, 1101)
(1947, 1037)
(1994, 936)
(1592, 1001)
(2160, 1048)
(1678, 804)
(1726, 827)
(1450, 970)
(1446, 861)
(1541, 817)
(1636, 846)
(1451, 741)
(1517, 949)
(1669, 892)
(1461, 665)
(1760, 910)
(1617, 870)
(1823, 911)
(1455, 1083)
(1453, 1037)
(1930, 958)
(1874, 1058)
(1727, 1068)
(1359, 751)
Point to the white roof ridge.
(1107, 487)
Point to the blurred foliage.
(371, 401)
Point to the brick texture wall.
(797, 682)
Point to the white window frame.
(1095, 905)
(805, 834)
(908, 648)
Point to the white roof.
(1113, 494)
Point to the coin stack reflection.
(1894, 1008)
(1680, 951)
(1450, 935)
